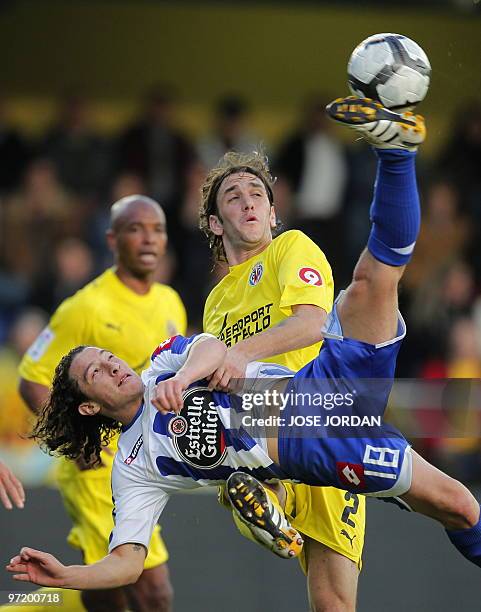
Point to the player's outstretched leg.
(254, 508)
(368, 309)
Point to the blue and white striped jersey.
(161, 454)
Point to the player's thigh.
(331, 579)
(334, 518)
(88, 500)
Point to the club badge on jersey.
(256, 274)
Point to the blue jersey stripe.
(238, 439)
(165, 376)
(161, 423)
(180, 344)
(169, 467)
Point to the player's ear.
(89, 408)
(215, 225)
(111, 239)
(273, 217)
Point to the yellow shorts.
(333, 517)
(87, 497)
(327, 515)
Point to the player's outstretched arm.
(11, 489)
(301, 329)
(122, 566)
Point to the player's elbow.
(127, 563)
(221, 349)
(312, 319)
(130, 573)
(33, 394)
(133, 575)
(217, 349)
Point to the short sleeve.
(303, 272)
(138, 505)
(67, 328)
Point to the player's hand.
(11, 489)
(38, 567)
(229, 375)
(167, 395)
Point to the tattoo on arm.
(137, 547)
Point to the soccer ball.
(391, 69)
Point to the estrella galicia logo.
(197, 433)
(135, 451)
(256, 274)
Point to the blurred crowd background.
(70, 146)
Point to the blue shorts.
(372, 459)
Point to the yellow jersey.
(106, 313)
(260, 293)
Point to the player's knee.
(331, 602)
(159, 599)
(466, 509)
(153, 591)
(461, 507)
(372, 275)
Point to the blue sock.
(395, 211)
(468, 542)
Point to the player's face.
(140, 239)
(246, 217)
(105, 379)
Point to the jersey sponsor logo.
(197, 433)
(135, 451)
(310, 276)
(163, 346)
(224, 324)
(41, 344)
(350, 474)
(256, 274)
(253, 323)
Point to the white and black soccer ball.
(391, 69)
